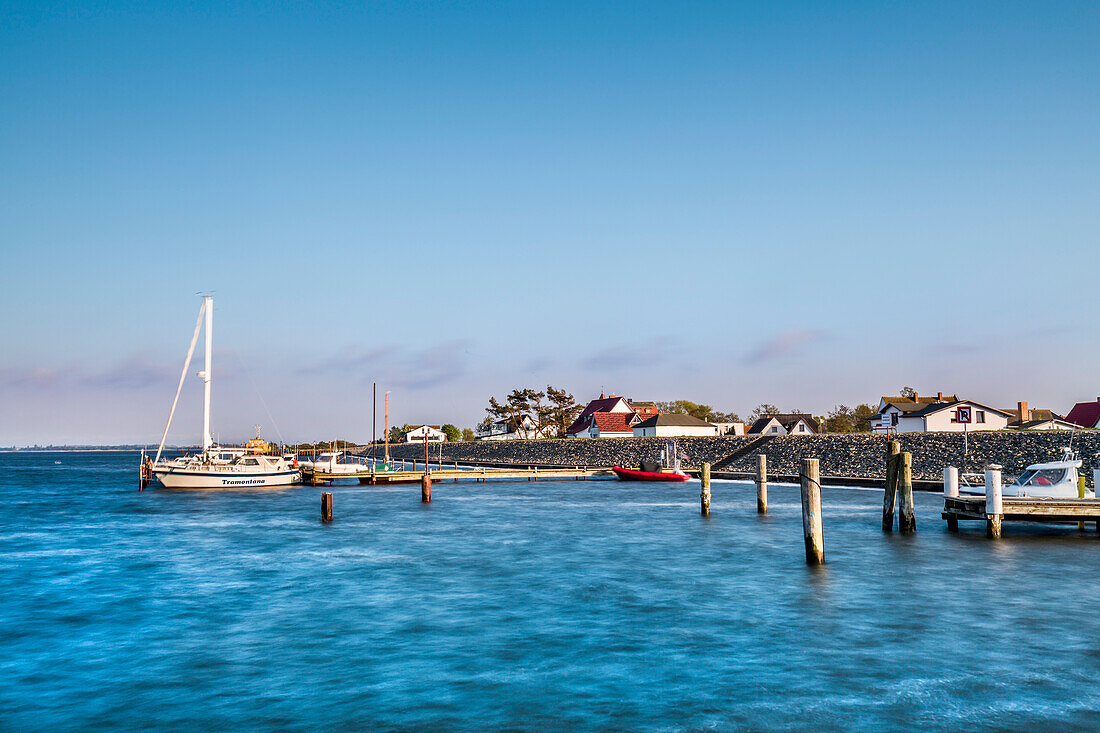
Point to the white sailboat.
(215, 467)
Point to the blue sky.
(799, 203)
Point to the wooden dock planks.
(448, 474)
(1031, 509)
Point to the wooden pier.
(368, 477)
(973, 508)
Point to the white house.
(892, 409)
(785, 424)
(953, 416)
(730, 428)
(604, 404)
(502, 430)
(1027, 418)
(416, 435)
(673, 426)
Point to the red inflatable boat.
(631, 474)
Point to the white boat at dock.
(1050, 480)
(216, 466)
(333, 462)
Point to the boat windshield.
(1042, 477)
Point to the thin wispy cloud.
(398, 366)
(785, 345)
(134, 373)
(131, 374)
(654, 351)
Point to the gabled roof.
(1035, 415)
(1030, 424)
(614, 422)
(675, 419)
(940, 406)
(908, 404)
(603, 404)
(1085, 414)
(787, 419)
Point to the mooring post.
(761, 484)
(893, 448)
(950, 481)
(426, 488)
(907, 517)
(811, 512)
(704, 496)
(994, 504)
(326, 507)
(951, 491)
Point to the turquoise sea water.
(548, 605)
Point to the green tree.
(453, 433)
(468, 434)
(862, 418)
(908, 392)
(839, 420)
(397, 434)
(563, 410)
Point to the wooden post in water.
(994, 504)
(811, 512)
(704, 496)
(426, 488)
(761, 484)
(326, 507)
(907, 517)
(893, 447)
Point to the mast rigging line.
(183, 376)
(251, 381)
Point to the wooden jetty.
(973, 507)
(994, 507)
(372, 478)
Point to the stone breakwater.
(853, 455)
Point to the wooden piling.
(811, 512)
(761, 484)
(326, 507)
(907, 517)
(704, 496)
(426, 488)
(893, 447)
(1081, 495)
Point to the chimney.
(601, 396)
(939, 397)
(1025, 414)
(916, 397)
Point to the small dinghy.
(666, 469)
(631, 474)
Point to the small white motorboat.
(1050, 480)
(330, 462)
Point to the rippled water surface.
(524, 605)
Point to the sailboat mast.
(208, 305)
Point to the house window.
(894, 419)
(801, 428)
(979, 416)
(774, 429)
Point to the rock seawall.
(853, 455)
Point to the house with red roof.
(1085, 414)
(609, 416)
(609, 425)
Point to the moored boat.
(631, 474)
(216, 467)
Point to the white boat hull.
(190, 478)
